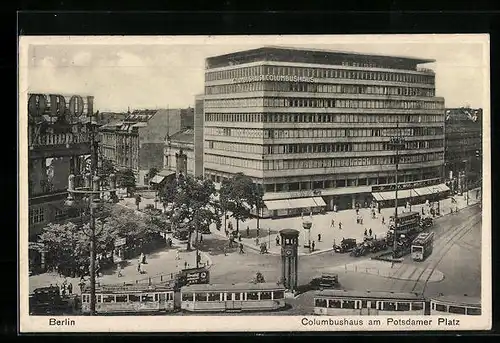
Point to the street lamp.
(90, 194)
(396, 143)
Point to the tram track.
(442, 245)
(449, 240)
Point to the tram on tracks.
(234, 297)
(358, 303)
(421, 247)
(130, 298)
(455, 305)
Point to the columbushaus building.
(313, 127)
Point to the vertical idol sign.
(56, 107)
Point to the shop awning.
(378, 196)
(423, 191)
(319, 201)
(157, 179)
(273, 205)
(443, 187)
(302, 203)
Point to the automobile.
(327, 280)
(426, 222)
(346, 245)
(360, 250)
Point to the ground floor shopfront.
(350, 198)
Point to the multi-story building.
(58, 142)
(137, 142)
(199, 117)
(179, 152)
(313, 127)
(463, 147)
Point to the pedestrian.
(139, 267)
(370, 232)
(277, 240)
(239, 236)
(119, 270)
(313, 245)
(225, 250)
(357, 210)
(365, 232)
(241, 248)
(70, 288)
(361, 220)
(227, 233)
(248, 231)
(333, 223)
(383, 220)
(340, 225)
(201, 238)
(319, 237)
(81, 284)
(185, 264)
(257, 241)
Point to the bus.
(130, 298)
(421, 246)
(455, 305)
(408, 224)
(234, 297)
(355, 303)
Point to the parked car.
(346, 245)
(327, 280)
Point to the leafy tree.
(193, 203)
(126, 178)
(107, 168)
(237, 195)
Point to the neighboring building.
(108, 117)
(199, 117)
(463, 147)
(313, 127)
(138, 141)
(179, 155)
(57, 147)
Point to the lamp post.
(90, 194)
(396, 143)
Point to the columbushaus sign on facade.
(56, 105)
(285, 78)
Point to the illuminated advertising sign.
(60, 106)
(288, 78)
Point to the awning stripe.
(319, 201)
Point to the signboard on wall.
(53, 107)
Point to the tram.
(111, 299)
(357, 303)
(455, 305)
(234, 297)
(421, 246)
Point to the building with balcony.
(463, 148)
(58, 145)
(137, 142)
(313, 127)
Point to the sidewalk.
(321, 224)
(158, 263)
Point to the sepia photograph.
(261, 183)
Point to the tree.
(68, 244)
(193, 203)
(152, 173)
(126, 178)
(107, 168)
(238, 195)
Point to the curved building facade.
(313, 127)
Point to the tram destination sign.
(68, 107)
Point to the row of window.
(321, 133)
(222, 296)
(378, 305)
(317, 148)
(317, 88)
(323, 103)
(318, 73)
(348, 181)
(321, 162)
(123, 298)
(323, 118)
(36, 215)
(471, 311)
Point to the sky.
(141, 72)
